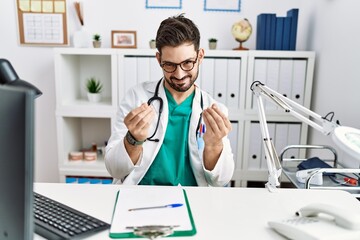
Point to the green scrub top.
(171, 166)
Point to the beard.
(183, 87)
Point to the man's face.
(180, 66)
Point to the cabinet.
(226, 75)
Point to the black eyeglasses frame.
(180, 64)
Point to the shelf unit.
(226, 75)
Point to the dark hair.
(175, 31)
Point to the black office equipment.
(16, 162)
(54, 220)
(17, 206)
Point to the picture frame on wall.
(222, 6)
(123, 39)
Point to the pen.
(174, 205)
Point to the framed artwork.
(123, 39)
(42, 22)
(222, 5)
(172, 4)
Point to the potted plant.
(96, 40)
(94, 88)
(152, 43)
(212, 43)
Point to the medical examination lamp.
(9, 77)
(347, 138)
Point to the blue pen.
(174, 205)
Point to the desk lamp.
(9, 77)
(347, 138)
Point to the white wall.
(327, 27)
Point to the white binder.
(281, 136)
(155, 69)
(260, 74)
(207, 75)
(293, 139)
(272, 79)
(221, 78)
(298, 82)
(143, 69)
(271, 128)
(130, 72)
(285, 77)
(233, 83)
(233, 137)
(255, 148)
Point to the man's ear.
(158, 57)
(201, 55)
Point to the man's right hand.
(138, 121)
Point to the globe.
(241, 31)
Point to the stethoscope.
(157, 98)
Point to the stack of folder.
(277, 33)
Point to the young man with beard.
(170, 132)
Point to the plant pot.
(97, 44)
(94, 97)
(152, 44)
(212, 45)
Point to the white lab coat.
(118, 162)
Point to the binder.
(272, 31)
(294, 133)
(294, 14)
(281, 137)
(155, 70)
(285, 77)
(261, 31)
(272, 81)
(269, 31)
(279, 32)
(143, 69)
(207, 75)
(125, 218)
(263, 161)
(233, 83)
(129, 73)
(255, 148)
(221, 77)
(260, 74)
(233, 137)
(286, 33)
(298, 81)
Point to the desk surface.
(219, 213)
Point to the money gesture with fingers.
(138, 121)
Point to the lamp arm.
(323, 125)
(272, 159)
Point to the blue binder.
(294, 14)
(261, 31)
(286, 33)
(279, 33)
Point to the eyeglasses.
(186, 65)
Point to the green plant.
(93, 85)
(97, 37)
(212, 40)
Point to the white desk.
(219, 213)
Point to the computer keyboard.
(54, 220)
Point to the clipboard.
(149, 196)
